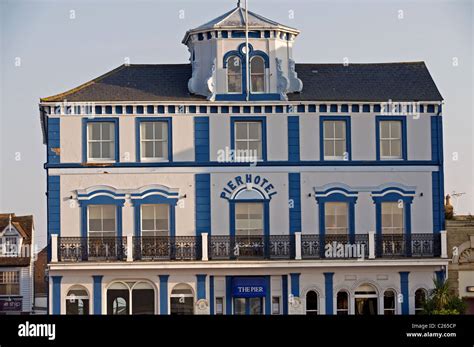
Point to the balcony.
(234, 248)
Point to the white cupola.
(218, 55)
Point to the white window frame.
(334, 139)
(164, 142)
(154, 218)
(9, 278)
(113, 140)
(238, 232)
(222, 311)
(394, 205)
(306, 302)
(337, 229)
(234, 74)
(248, 140)
(390, 139)
(348, 303)
(394, 309)
(91, 233)
(278, 299)
(263, 74)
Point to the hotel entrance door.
(248, 306)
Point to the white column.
(129, 248)
(371, 244)
(204, 238)
(54, 248)
(298, 245)
(444, 244)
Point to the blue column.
(294, 191)
(228, 295)
(201, 286)
(97, 294)
(328, 287)
(211, 295)
(163, 294)
(203, 203)
(201, 139)
(284, 293)
(295, 284)
(268, 296)
(293, 138)
(56, 294)
(404, 290)
(440, 275)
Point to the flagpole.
(247, 52)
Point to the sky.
(47, 47)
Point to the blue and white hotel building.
(245, 183)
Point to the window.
(77, 301)
(257, 75)
(234, 75)
(342, 304)
(102, 220)
(276, 305)
(219, 306)
(182, 300)
(143, 298)
(334, 133)
(135, 298)
(9, 245)
(101, 141)
(312, 303)
(392, 218)
(249, 219)
(118, 299)
(9, 283)
(248, 140)
(154, 141)
(389, 302)
(155, 220)
(390, 139)
(336, 218)
(420, 298)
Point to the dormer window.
(9, 245)
(234, 75)
(257, 75)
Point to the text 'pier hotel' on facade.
(245, 183)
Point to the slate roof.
(407, 81)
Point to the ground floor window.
(365, 300)
(389, 302)
(342, 303)
(248, 306)
(130, 298)
(77, 301)
(182, 300)
(312, 303)
(9, 283)
(276, 305)
(420, 298)
(219, 305)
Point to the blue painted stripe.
(295, 284)
(437, 203)
(201, 286)
(212, 309)
(203, 203)
(404, 290)
(97, 294)
(228, 295)
(53, 140)
(328, 292)
(53, 208)
(201, 139)
(284, 293)
(268, 295)
(293, 138)
(294, 186)
(163, 294)
(56, 294)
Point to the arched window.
(118, 299)
(143, 298)
(389, 302)
(342, 303)
(182, 300)
(131, 298)
(312, 303)
(77, 301)
(234, 75)
(420, 298)
(365, 300)
(257, 75)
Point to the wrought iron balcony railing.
(273, 247)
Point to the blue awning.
(248, 287)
